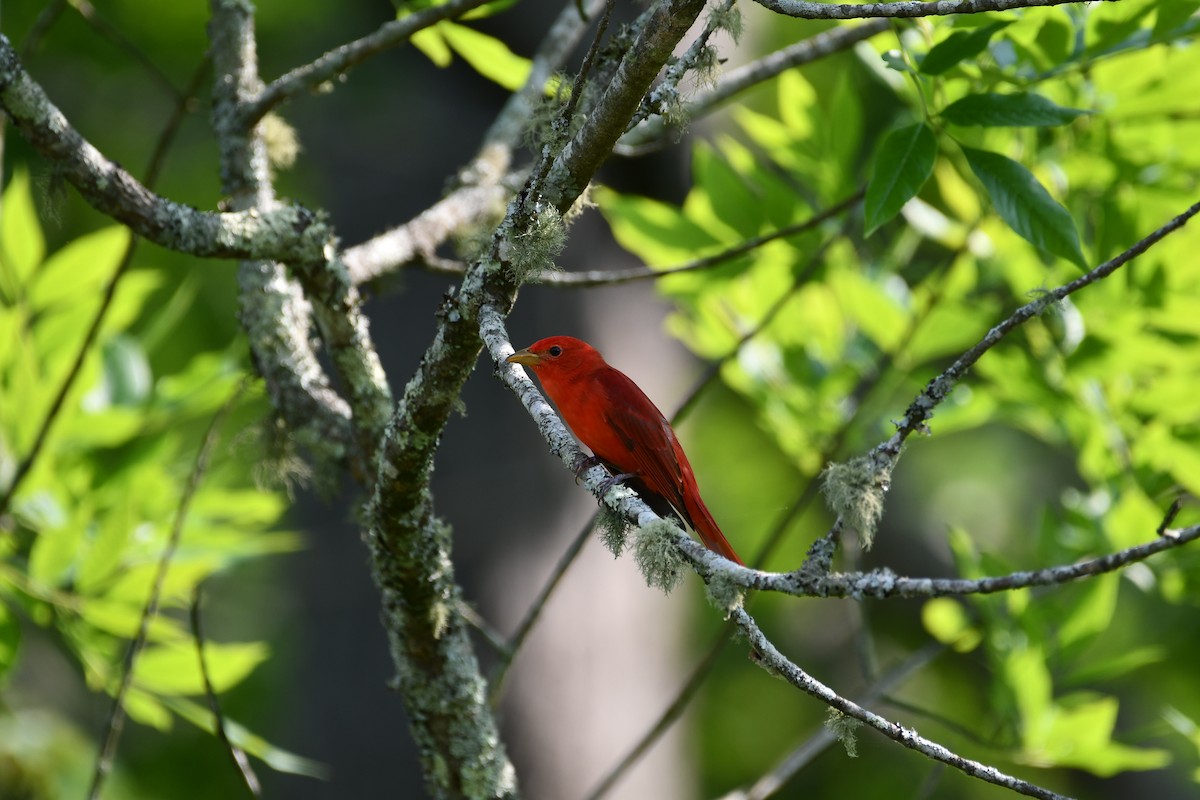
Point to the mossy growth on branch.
(614, 530)
(724, 593)
(855, 492)
(845, 728)
(656, 554)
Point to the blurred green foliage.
(1006, 153)
(88, 525)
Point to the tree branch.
(287, 233)
(809, 10)
(749, 75)
(665, 24)
(340, 59)
(776, 663)
(273, 310)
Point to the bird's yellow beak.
(526, 357)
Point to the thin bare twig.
(811, 10)
(776, 663)
(774, 780)
(237, 754)
(337, 61)
(496, 681)
(116, 716)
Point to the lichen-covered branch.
(664, 25)
(810, 10)
(921, 409)
(485, 185)
(420, 237)
(288, 233)
(738, 80)
(273, 310)
(883, 583)
(776, 663)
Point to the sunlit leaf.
(1020, 109)
(78, 270)
(276, 757)
(902, 165)
(1026, 206)
(947, 621)
(175, 668)
(487, 55)
(958, 47)
(22, 246)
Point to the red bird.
(626, 432)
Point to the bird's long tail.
(706, 527)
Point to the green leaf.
(275, 757)
(947, 621)
(1026, 206)
(78, 270)
(902, 165)
(22, 246)
(959, 46)
(656, 232)
(1017, 110)
(10, 640)
(175, 668)
(487, 55)
(430, 42)
(1172, 14)
(1078, 733)
(1095, 670)
(1092, 613)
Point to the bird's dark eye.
(555, 351)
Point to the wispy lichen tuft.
(656, 555)
(614, 530)
(724, 593)
(845, 729)
(281, 140)
(727, 18)
(535, 248)
(855, 492)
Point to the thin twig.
(810, 10)
(116, 715)
(237, 754)
(339, 60)
(881, 583)
(612, 277)
(774, 780)
(496, 681)
(671, 713)
(651, 132)
(123, 42)
(769, 657)
(921, 409)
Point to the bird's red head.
(558, 354)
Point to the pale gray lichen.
(536, 247)
(281, 141)
(656, 554)
(725, 593)
(614, 530)
(845, 728)
(855, 492)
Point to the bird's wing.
(648, 447)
